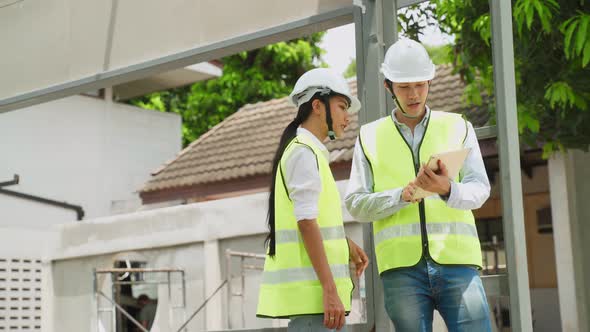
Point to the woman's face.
(340, 117)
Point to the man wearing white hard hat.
(428, 251)
(306, 271)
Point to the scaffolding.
(229, 254)
(115, 272)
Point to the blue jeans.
(309, 323)
(412, 294)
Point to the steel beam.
(376, 30)
(406, 3)
(510, 177)
(218, 50)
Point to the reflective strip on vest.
(292, 235)
(450, 228)
(301, 274)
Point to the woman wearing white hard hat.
(306, 276)
(428, 252)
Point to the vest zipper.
(422, 212)
(421, 208)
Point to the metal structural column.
(376, 29)
(510, 174)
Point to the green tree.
(351, 69)
(414, 19)
(552, 53)
(248, 77)
(440, 54)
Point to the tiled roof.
(244, 144)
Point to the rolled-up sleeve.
(474, 188)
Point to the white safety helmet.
(322, 80)
(407, 61)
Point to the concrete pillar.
(214, 308)
(108, 94)
(569, 181)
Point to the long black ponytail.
(288, 135)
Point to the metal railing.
(229, 254)
(114, 272)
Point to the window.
(136, 296)
(544, 221)
(491, 237)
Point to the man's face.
(412, 96)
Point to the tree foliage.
(440, 54)
(551, 57)
(413, 20)
(350, 71)
(248, 77)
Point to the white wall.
(73, 292)
(81, 150)
(169, 237)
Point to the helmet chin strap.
(407, 115)
(326, 101)
(397, 103)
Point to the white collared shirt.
(366, 205)
(302, 177)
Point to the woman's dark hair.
(288, 135)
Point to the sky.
(339, 44)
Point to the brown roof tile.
(244, 144)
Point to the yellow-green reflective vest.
(447, 235)
(290, 286)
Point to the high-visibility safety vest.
(290, 286)
(447, 235)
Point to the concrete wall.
(570, 189)
(81, 150)
(72, 286)
(192, 237)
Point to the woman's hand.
(312, 239)
(334, 313)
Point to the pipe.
(10, 183)
(79, 210)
